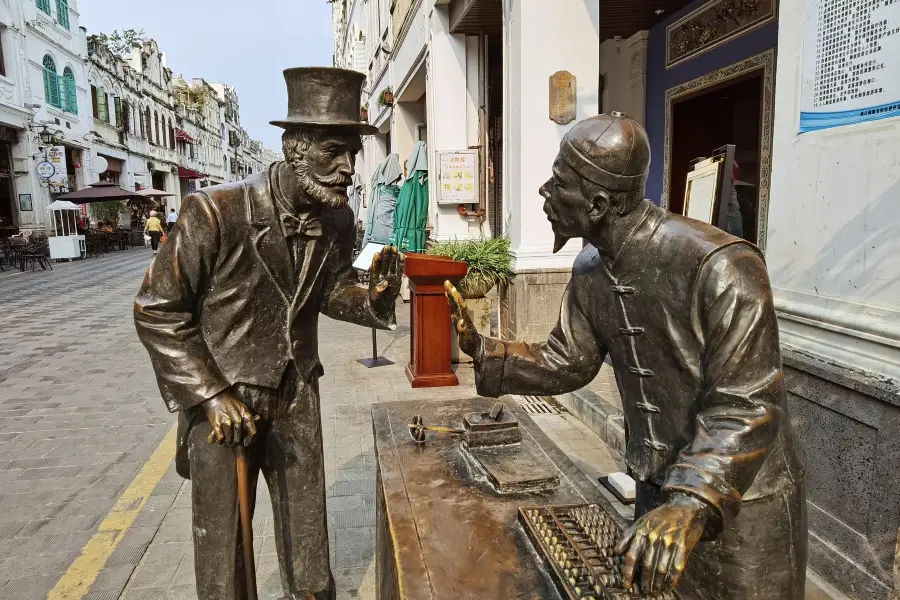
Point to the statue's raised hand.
(470, 341)
(385, 277)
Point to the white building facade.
(473, 75)
(134, 117)
(43, 89)
(831, 252)
(155, 129)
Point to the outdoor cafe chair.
(37, 253)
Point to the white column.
(449, 105)
(542, 38)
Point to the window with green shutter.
(62, 12)
(69, 92)
(51, 83)
(44, 5)
(102, 105)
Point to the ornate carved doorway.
(732, 105)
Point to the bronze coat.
(686, 315)
(220, 304)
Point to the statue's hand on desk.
(661, 542)
(470, 341)
(385, 279)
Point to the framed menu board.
(459, 177)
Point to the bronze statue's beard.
(558, 242)
(330, 191)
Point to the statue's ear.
(600, 205)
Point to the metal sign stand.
(375, 361)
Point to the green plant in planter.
(386, 98)
(489, 260)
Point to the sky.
(244, 43)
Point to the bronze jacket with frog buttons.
(685, 313)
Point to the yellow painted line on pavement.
(77, 581)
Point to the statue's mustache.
(335, 180)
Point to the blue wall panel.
(660, 79)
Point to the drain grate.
(541, 405)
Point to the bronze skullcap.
(611, 150)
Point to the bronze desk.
(442, 532)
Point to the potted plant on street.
(364, 112)
(489, 260)
(386, 98)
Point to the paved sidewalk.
(80, 415)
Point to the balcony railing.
(164, 154)
(108, 132)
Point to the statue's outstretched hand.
(661, 542)
(385, 278)
(470, 341)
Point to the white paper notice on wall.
(459, 177)
(851, 63)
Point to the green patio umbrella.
(411, 212)
(385, 190)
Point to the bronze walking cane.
(246, 507)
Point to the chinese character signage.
(59, 181)
(459, 178)
(563, 102)
(851, 63)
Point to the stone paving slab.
(77, 414)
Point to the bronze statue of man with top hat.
(685, 313)
(229, 311)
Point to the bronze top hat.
(325, 97)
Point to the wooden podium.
(429, 361)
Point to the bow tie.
(308, 225)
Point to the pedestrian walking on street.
(171, 218)
(229, 315)
(153, 228)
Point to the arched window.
(62, 12)
(51, 83)
(68, 93)
(141, 115)
(171, 135)
(148, 125)
(156, 126)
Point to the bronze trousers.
(761, 555)
(288, 451)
